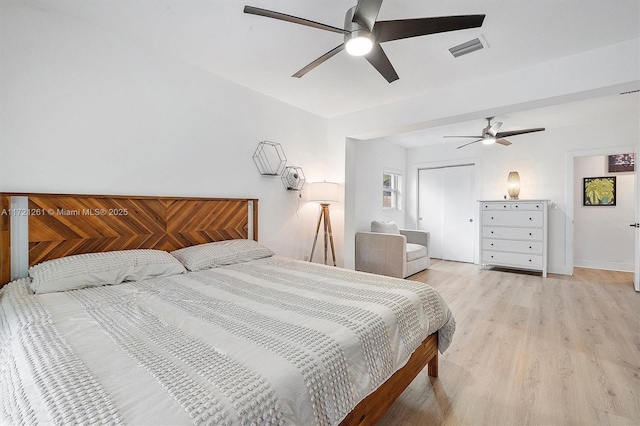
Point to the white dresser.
(513, 234)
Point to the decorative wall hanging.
(293, 178)
(621, 163)
(599, 191)
(269, 158)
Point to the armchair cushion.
(385, 227)
(415, 251)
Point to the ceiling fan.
(490, 134)
(363, 34)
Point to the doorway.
(447, 209)
(624, 235)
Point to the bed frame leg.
(432, 367)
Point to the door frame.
(636, 269)
(569, 228)
(474, 161)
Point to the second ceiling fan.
(490, 134)
(363, 34)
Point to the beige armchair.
(394, 255)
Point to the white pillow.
(97, 269)
(220, 253)
(384, 227)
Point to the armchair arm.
(417, 237)
(381, 253)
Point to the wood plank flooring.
(562, 350)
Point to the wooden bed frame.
(62, 225)
(66, 224)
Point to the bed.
(220, 331)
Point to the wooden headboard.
(65, 224)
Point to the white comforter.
(272, 341)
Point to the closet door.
(447, 208)
(430, 208)
(459, 211)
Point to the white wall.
(83, 111)
(371, 159)
(602, 236)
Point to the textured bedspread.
(272, 341)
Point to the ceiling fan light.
(488, 141)
(358, 43)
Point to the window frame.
(393, 191)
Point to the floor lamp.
(324, 193)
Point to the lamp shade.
(513, 185)
(324, 192)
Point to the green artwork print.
(599, 191)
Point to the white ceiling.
(604, 110)
(262, 53)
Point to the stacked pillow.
(97, 269)
(389, 227)
(220, 253)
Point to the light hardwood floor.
(562, 350)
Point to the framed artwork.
(599, 191)
(621, 163)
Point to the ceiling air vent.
(467, 47)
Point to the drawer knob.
(529, 260)
(530, 234)
(492, 232)
(530, 247)
(517, 206)
(492, 244)
(530, 218)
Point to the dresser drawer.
(526, 234)
(510, 205)
(512, 259)
(527, 206)
(533, 247)
(512, 218)
(496, 206)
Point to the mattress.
(270, 341)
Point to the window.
(391, 195)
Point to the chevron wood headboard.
(65, 224)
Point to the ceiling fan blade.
(463, 137)
(293, 19)
(318, 61)
(503, 142)
(406, 28)
(379, 60)
(518, 132)
(493, 130)
(366, 13)
(462, 146)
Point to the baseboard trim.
(607, 266)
